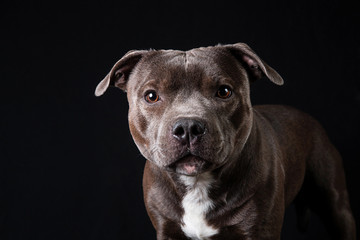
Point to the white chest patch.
(196, 204)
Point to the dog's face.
(189, 112)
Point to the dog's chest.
(196, 203)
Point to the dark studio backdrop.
(69, 168)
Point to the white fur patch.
(196, 204)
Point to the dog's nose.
(188, 131)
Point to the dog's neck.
(196, 204)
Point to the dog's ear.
(120, 72)
(256, 67)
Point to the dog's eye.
(151, 96)
(224, 92)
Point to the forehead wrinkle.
(205, 61)
(215, 60)
(186, 60)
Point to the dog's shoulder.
(287, 120)
(283, 114)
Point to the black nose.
(188, 131)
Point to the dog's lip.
(189, 165)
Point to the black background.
(69, 168)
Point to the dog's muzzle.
(187, 134)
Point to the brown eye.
(224, 92)
(151, 97)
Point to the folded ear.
(256, 67)
(119, 74)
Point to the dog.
(217, 167)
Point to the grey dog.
(217, 167)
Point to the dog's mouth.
(189, 165)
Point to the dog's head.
(189, 112)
